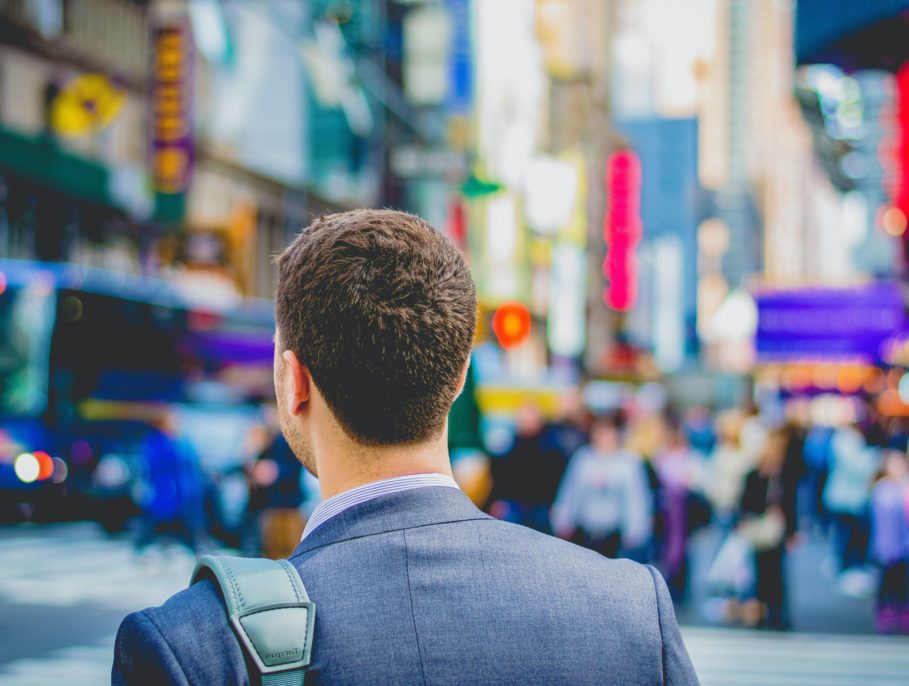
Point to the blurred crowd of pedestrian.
(182, 504)
(638, 483)
(633, 482)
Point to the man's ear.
(463, 378)
(296, 385)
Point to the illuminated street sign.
(622, 229)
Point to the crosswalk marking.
(76, 666)
(72, 564)
(724, 657)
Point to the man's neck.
(344, 467)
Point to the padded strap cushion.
(269, 611)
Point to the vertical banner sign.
(622, 229)
(900, 213)
(172, 148)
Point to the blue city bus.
(87, 359)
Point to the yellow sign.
(88, 104)
(171, 95)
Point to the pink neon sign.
(622, 229)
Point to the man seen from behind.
(412, 583)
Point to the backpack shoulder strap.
(269, 612)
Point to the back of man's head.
(381, 308)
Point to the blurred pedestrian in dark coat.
(526, 478)
(768, 518)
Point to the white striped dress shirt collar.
(343, 501)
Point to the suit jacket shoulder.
(420, 587)
(185, 641)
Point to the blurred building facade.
(68, 196)
(186, 139)
(626, 178)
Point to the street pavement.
(816, 602)
(65, 588)
(63, 591)
(730, 657)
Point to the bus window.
(26, 320)
(113, 349)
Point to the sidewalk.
(816, 604)
(724, 657)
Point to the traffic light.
(511, 324)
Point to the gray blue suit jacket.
(421, 587)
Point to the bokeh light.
(903, 388)
(61, 471)
(81, 452)
(45, 464)
(27, 468)
(894, 221)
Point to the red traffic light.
(511, 324)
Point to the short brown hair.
(381, 308)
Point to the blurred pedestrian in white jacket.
(603, 501)
(847, 492)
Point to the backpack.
(270, 614)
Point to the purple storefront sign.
(827, 324)
(172, 145)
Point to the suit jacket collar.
(404, 510)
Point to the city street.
(816, 605)
(59, 620)
(631, 272)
